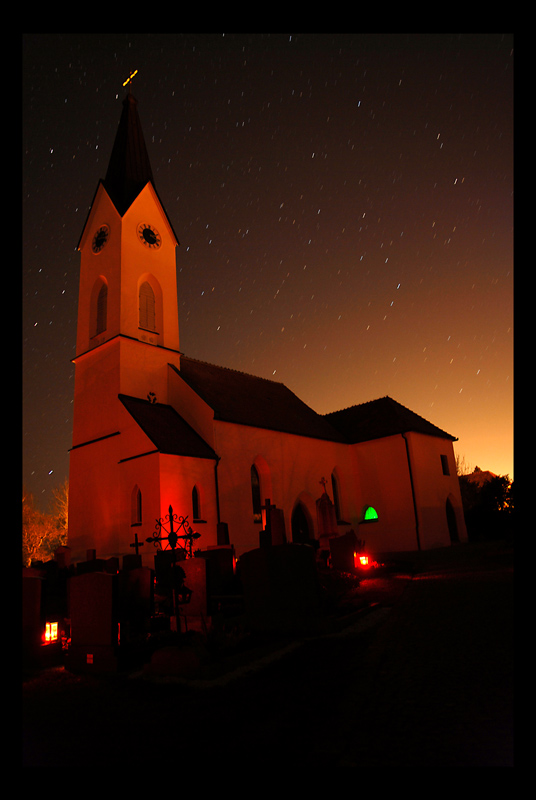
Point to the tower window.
(147, 307)
(102, 309)
(445, 465)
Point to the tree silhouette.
(488, 506)
(43, 533)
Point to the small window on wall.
(196, 506)
(135, 507)
(336, 498)
(369, 514)
(445, 465)
(256, 495)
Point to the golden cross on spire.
(130, 76)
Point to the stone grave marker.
(94, 623)
(342, 549)
(281, 587)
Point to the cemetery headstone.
(94, 622)
(342, 549)
(281, 587)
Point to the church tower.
(128, 329)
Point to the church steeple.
(129, 169)
(128, 279)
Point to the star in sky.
(344, 204)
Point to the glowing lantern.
(51, 632)
(361, 560)
(370, 514)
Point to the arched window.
(196, 506)
(98, 310)
(147, 319)
(256, 494)
(302, 532)
(102, 309)
(369, 514)
(336, 496)
(135, 506)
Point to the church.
(155, 428)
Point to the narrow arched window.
(196, 508)
(147, 307)
(336, 497)
(102, 309)
(369, 514)
(256, 494)
(135, 506)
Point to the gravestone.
(281, 587)
(91, 564)
(136, 593)
(31, 615)
(111, 565)
(274, 532)
(342, 549)
(94, 623)
(62, 555)
(220, 569)
(195, 610)
(326, 518)
(131, 561)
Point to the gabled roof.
(379, 418)
(166, 429)
(248, 400)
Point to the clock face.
(149, 236)
(100, 238)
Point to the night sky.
(344, 204)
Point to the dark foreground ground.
(425, 678)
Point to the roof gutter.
(412, 493)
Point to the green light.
(370, 513)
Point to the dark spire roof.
(129, 169)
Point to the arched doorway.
(301, 526)
(451, 521)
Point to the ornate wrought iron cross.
(172, 539)
(172, 535)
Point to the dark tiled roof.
(248, 400)
(379, 418)
(129, 169)
(166, 429)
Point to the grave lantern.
(50, 633)
(362, 561)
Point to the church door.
(300, 526)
